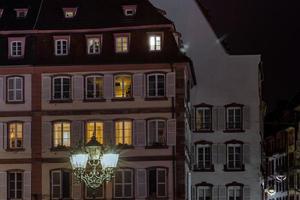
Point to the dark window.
(157, 132)
(15, 185)
(15, 89)
(203, 156)
(123, 183)
(234, 118)
(94, 87)
(204, 193)
(60, 184)
(203, 118)
(157, 182)
(156, 85)
(234, 156)
(62, 88)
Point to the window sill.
(123, 99)
(234, 131)
(157, 147)
(15, 150)
(94, 100)
(15, 102)
(203, 131)
(156, 98)
(62, 148)
(234, 170)
(61, 101)
(196, 169)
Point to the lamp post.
(93, 163)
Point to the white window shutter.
(221, 119)
(77, 133)
(246, 193)
(141, 183)
(2, 89)
(171, 84)
(138, 85)
(27, 135)
(214, 118)
(215, 192)
(3, 186)
(109, 136)
(194, 193)
(222, 192)
(246, 117)
(139, 132)
(47, 135)
(76, 188)
(78, 87)
(46, 88)
(27, 185)
(246, 152)
(1, 136)
(108, 86)
(214, 154)
(222, 154)
(171, 132)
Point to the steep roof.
(48, 14)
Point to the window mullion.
(156, 85)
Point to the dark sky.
(269, 28)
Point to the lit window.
(155, 42)
(69, 12)
(203, 156)
(21, 13)
(234, 156)
(61, 47)
(157, 183)
(123, 132)
(94, 45)
(61, 88)
(234, 118)
(122, 43)
(97, 193)
(204, 193)
(157, 132)
(15, 184)
(129, 10)
(203, 121)
(94, 87)
(122, 86)
(94, 128)
(123, 183)
(61, 182)
(61, 134)
(234, 193)
(14, 89)
(156, 85)
(1, 12)
(15, 135)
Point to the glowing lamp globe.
(109, 160)
(79, 160)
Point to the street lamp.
(94, 164)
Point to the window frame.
(94, 122)
(234, 107)
(127, 8)
(156, 143)
(94, 76)
(123, 184)
(234, 188)
(204, 188)
(166, 183)
(123, 136)
(235, 145)
(15, 89)
(93, 37)
(15, 53)
(61, 185)
(61, 145)
(122, 35)
(72, 10)
(15, 184)
(122, 86)
(202, 128)
(61, 87)
(156, 74)
(204, 146)
(15, 123)
(19, 11)
(155, 35)
(61, 39)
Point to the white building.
(225, 138)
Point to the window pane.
(152, 132)
(127, 132)
(119, 132)
(66, 185)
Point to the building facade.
(70, 70)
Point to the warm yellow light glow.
(121, 44)
(123, 132)
(94, 128)
(123, 86)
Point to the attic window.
(21, 12)
(129, 10)
(1, 12)
(70, 12)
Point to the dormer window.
(1, 12)
(129, 10)
(69, 12)
(21, 12)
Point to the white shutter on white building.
(78, 89)
(109, 132)
(171, 132)
(141, 183)
(77, 133)
(221, 118)
(27, 185)
(2, 89)
(27, 135)
(2, 136)
(47, 135)
(214, 118)
(246, 117)
(215, 192)
(221, 153)
(246, 152)
(222, 192)
(138, 85)
(76, 188)
(139, 132)
(247, 193)
(171, 84)
(214, 154)
(3, 186)
(46, 88)
(108, 86)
